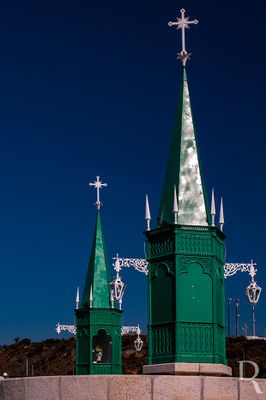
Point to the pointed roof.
(98, 275)
(183, 170)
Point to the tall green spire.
(183, 170)
(96, 288)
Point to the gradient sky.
(90, 88)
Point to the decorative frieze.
(195, 338)
(161, 248)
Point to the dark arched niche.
(101, 348)
(162, 296)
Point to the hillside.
(57, 356)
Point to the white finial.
(77, 299)
(112, 298)
(98, 185)
(148, 214)
(213, 210)
(91, 298)
(175, 206)
(221, 219)
(117, 265)
(252, 270)
(183, 23)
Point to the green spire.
(97, 279)
(183, 170)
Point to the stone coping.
(188, 369)
(131, 387)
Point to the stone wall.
(130, 387)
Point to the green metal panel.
(194, 289)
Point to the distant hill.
(57, 356)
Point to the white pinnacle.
(213, 210)
(77, 299)
(221, 219)
(148, 214)
(112, 298)
(91, 298)
(175, 206)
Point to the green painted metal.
(186, 260)
(183, 169)
(98, 324)
(98, 274)
(186, 295)
(90, 322)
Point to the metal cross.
(183, 23)
(98, 185)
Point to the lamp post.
(253, 292)
(229, 301)
(228, 315)
(237, 316)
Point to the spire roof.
(183, 170)
(97, 279)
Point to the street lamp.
(117, 286)
(253, 292)
(138, 343)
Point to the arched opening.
(101, 348)
(162, 296)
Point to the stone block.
(42, 388)
(130, 387)
(172, 369)
(215, 370)
(220, 388)
(250, 390)
(187, 369)
(1, 390)
(177, 387)
(92, 387)
(14, 389)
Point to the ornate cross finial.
(183, 23)
(98, 185)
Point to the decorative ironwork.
(70, 328)
(139, 264)
(231, 269)
(130, 329)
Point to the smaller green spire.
(97, 279)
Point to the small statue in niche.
(99, 353)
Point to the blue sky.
(91, 89)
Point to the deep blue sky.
(91, 88)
